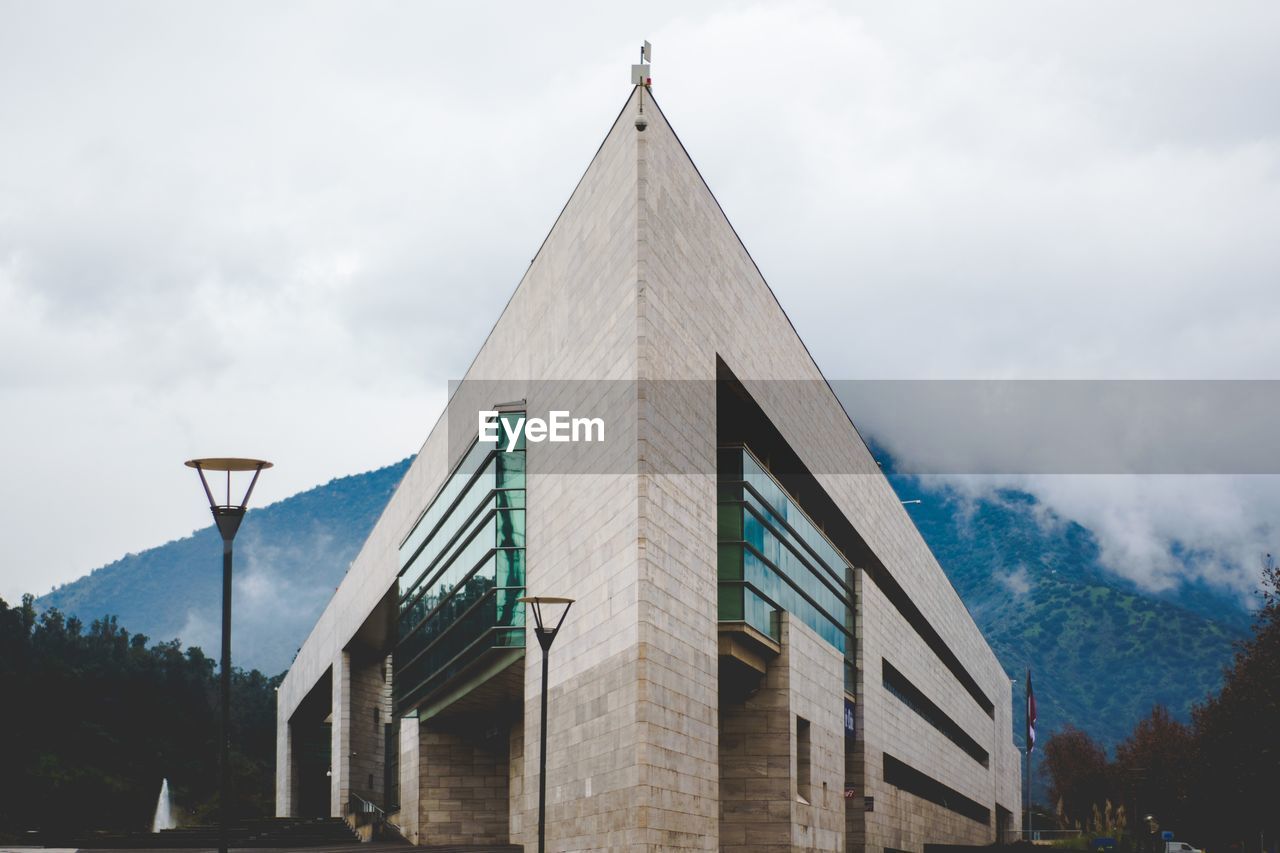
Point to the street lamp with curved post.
(227, 516)
(546, 636)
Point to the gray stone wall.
(410, 780)
(817, 695)
(340, 733)
(762, 809)
(756, 784)
(515, 786)
(902, 820)
(593, 801)
(463, 788)
(368, 713)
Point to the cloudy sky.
(279, 230)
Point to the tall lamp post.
(227, 516)
(546, 636)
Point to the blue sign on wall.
(850, 721)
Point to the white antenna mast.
(640, 77)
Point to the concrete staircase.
(259, 832)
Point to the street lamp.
(546, 636)
(227, 516)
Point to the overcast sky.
(280, 229)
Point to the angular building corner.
(763, 654)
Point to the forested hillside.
(1103, 652)
(95, 717)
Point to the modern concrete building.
(763, 654)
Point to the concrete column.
(855, 774)
(762, 809)
(410, 779)
(340, 754)
(855, 808)
(366, 715)
(756, 785)
(817, 695)
(285, 781)
(518, 832)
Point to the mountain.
(290, 557)
(1103, 651)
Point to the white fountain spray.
(164, 810)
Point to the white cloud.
(200, 630)
(1016, 581)
(1158, 531)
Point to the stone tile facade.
(642, 280)
(370, 710)
(762, 806)
(463, 794)
(407, 816)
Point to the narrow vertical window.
(802, 759)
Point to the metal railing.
(358, 806)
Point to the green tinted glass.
(767, 541)
(463, 572)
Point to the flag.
(1031, 715)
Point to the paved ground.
(373, 847)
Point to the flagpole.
(1028, 793)
(1030, 740)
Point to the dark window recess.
(803, 748)
(391, 767)
(912, 781)
(911, 696)
(739, 419)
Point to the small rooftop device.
(640, 77)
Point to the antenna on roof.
(640, 77)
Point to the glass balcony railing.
(462, 572)
(771, 557)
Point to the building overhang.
(746, 645)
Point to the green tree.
(1079, 774)
(1238, 731)
(1156, 761)
(95, 718)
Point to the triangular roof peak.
(643, 226)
